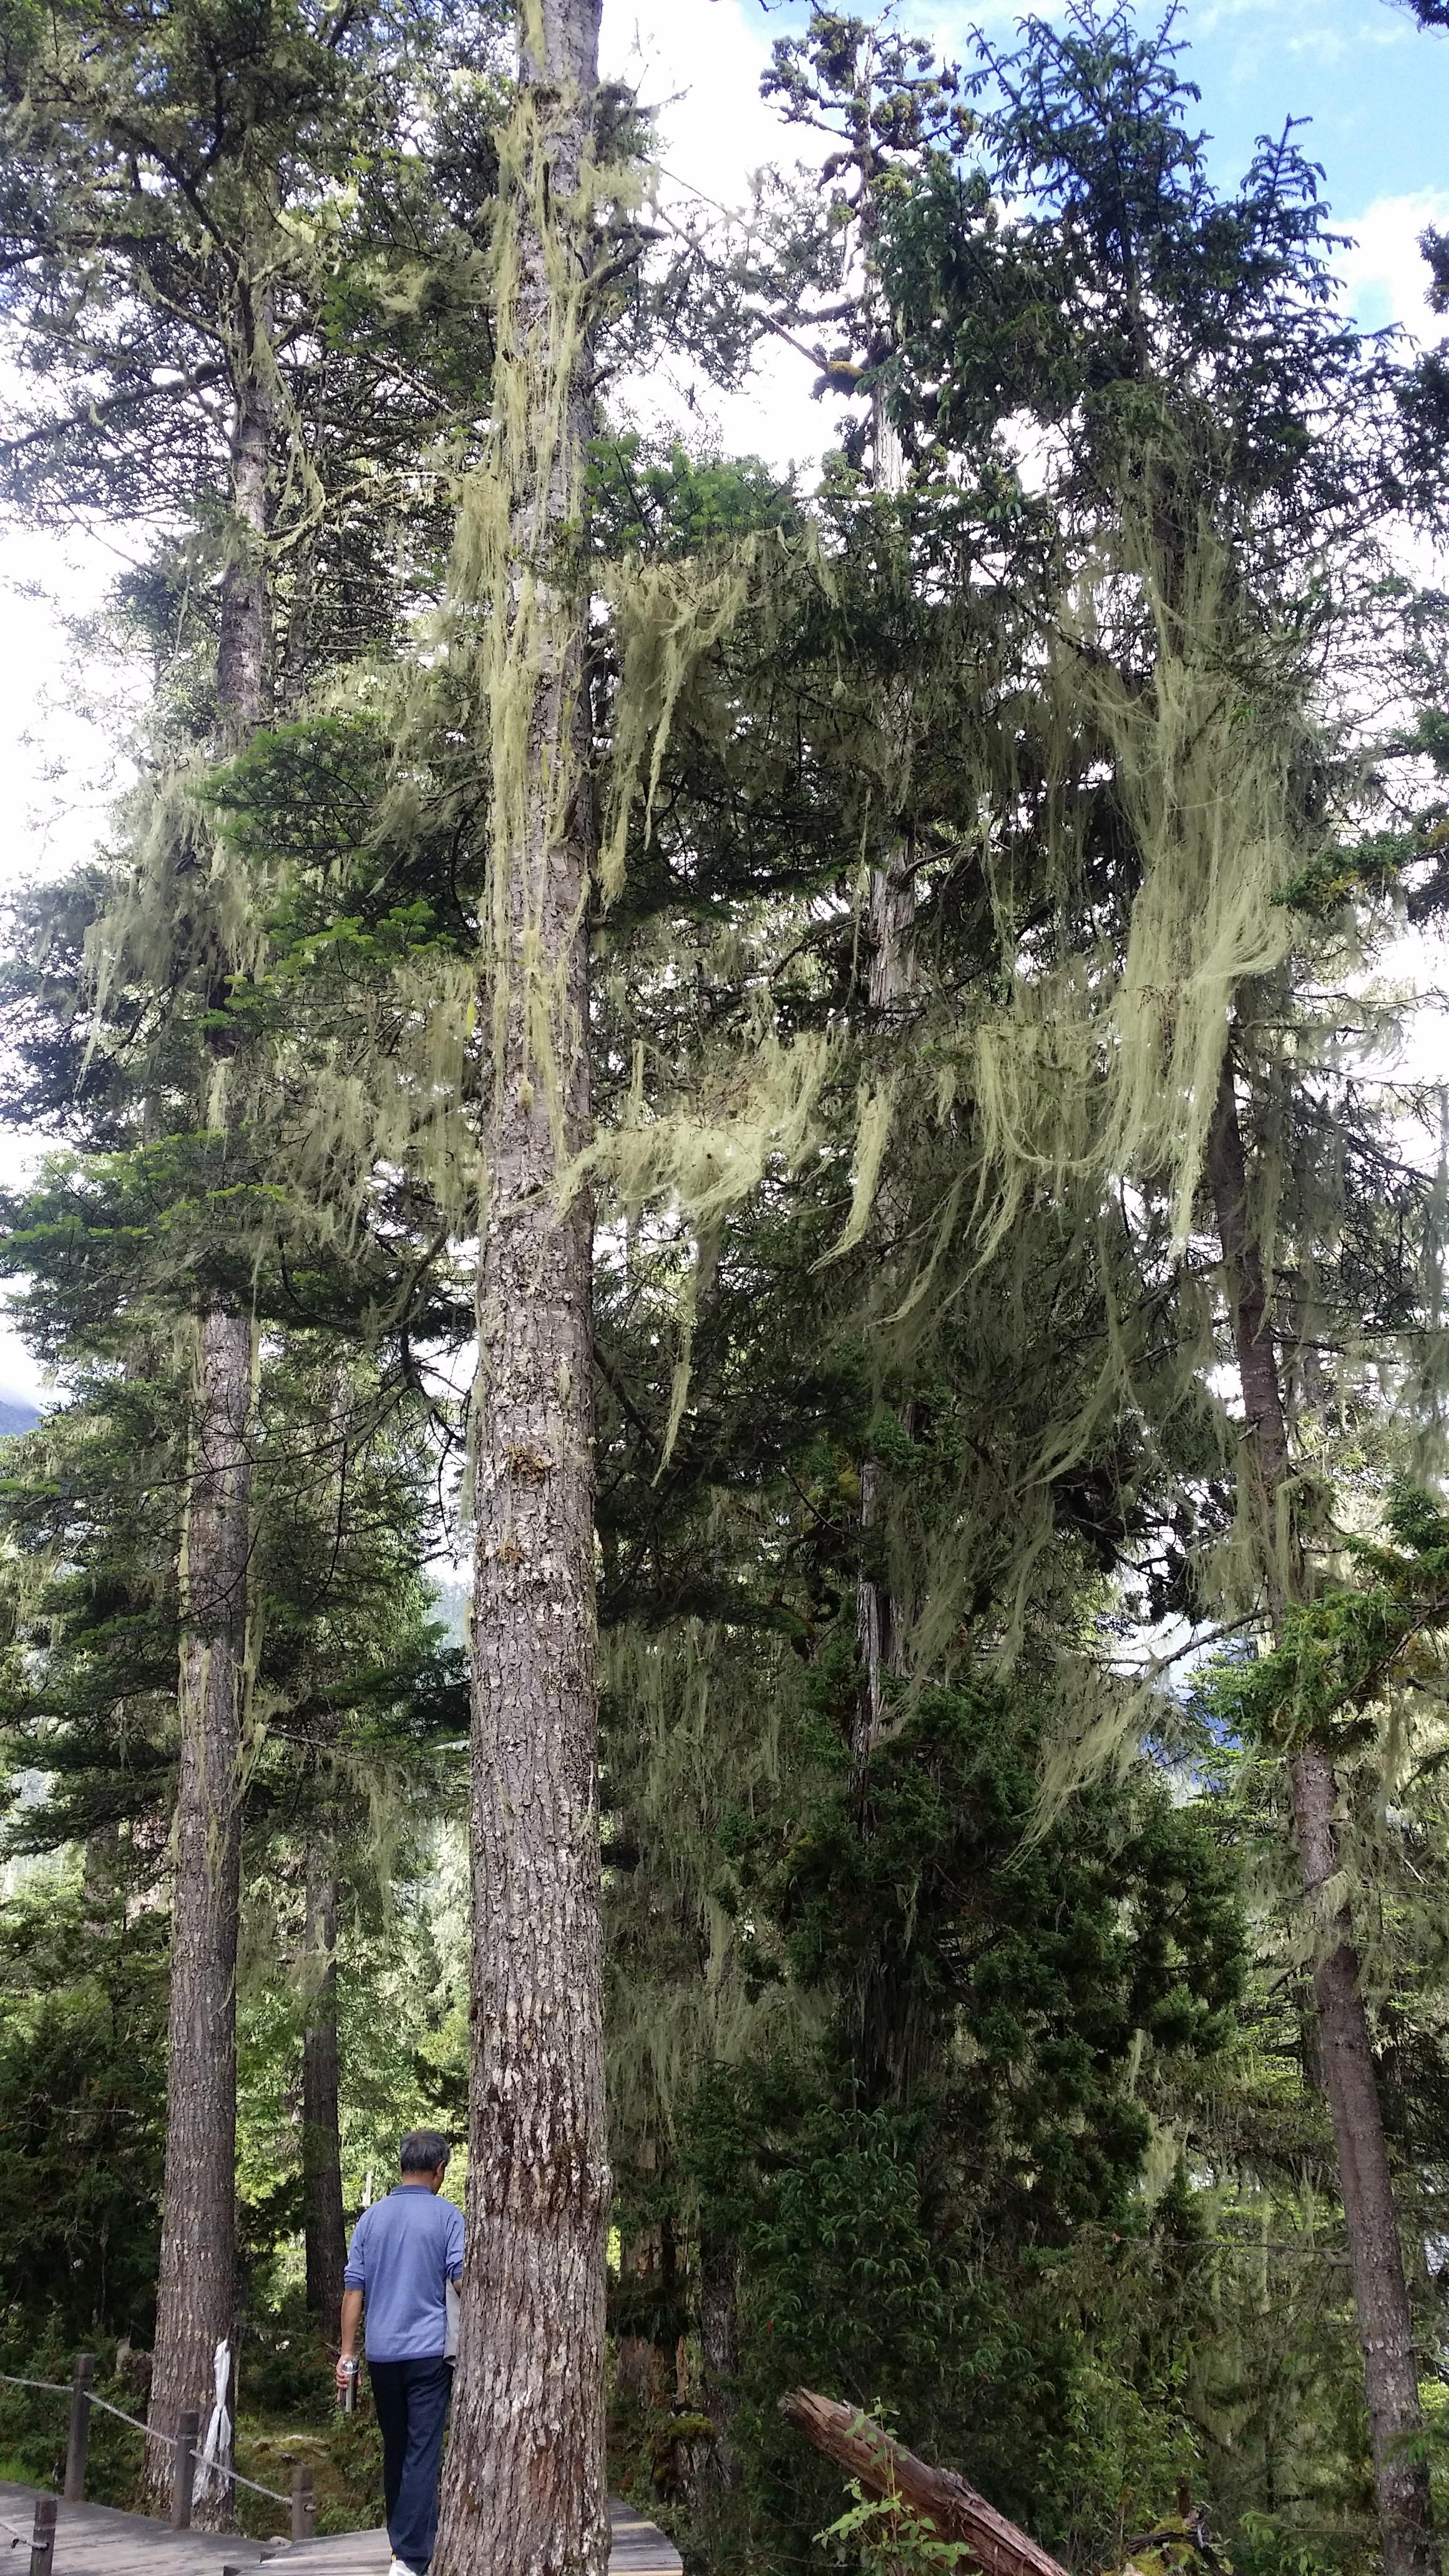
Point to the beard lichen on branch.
(518, 556)
(1109, 1058)
(520, 550)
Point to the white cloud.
(1331, 44)
(1367, 28)
(699, 62)
(1384, 273)
(56, 761)
(22, 1379)
(50, 797)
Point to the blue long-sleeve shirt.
(405, 2250)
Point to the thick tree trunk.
(323, 2227)
(100, 1878)
(524, 2491)
(241, 659)
(639, 2367)
(890, 919)
(891, 916)
(324, 2232)
(718, 2337)
(1345, 2052)
(196, 2290)
(885, 2468)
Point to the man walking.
(405, 2251)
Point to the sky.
(1373, 85)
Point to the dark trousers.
(411, 2398)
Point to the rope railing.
(301, 2503)
(40, 2537)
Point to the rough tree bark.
(891, 915)
(890, 918)
(196, 2287)
(196, 2290)
(324, 2230)
(524, 2491)
(718, 2337)
(639, 2361)
(885, 2468)
(1345, 2051)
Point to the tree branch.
(884, 2468)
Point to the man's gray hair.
(423, 2150)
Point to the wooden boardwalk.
(638, 2550)
(93, 2540)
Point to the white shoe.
(400, 2567)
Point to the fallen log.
(938, 2496)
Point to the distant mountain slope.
(16, 1414)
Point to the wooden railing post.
(42, 2541)
(304, 2506)
(183, 2476)
(80, 2427)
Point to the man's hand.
(350, 2321)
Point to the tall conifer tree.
(1272, 1512)
(170, 173)
(524, 2487)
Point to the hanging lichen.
(667, 616)
(1111, 1059)
(692, 1722)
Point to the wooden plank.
(638, 2549)
(345, 2553)
(94, 2537)
(95, 2540)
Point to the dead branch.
(939, 2496)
